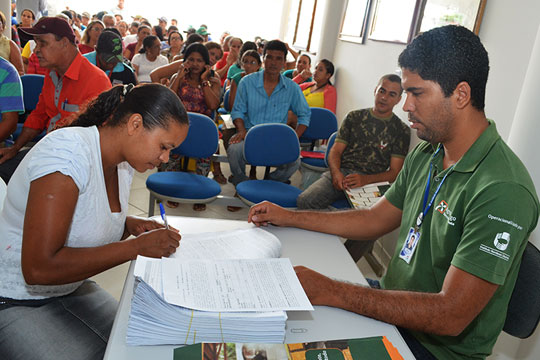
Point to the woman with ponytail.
(65, 220)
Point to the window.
(305, 24)
(355, 20)
(401, 20)
(393, 20)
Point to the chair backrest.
(202, 138)
(226, 105)
(32, 85)
(322, 124)
(331, 141)
(271, 145)
(524, 307)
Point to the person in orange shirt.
(73, 82)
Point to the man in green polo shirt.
(465, 203)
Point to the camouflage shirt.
(372, 141)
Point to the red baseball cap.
(51, 25)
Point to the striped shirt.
(11, 98)
(254, 106)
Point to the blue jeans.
(237, 162)
(75, 326)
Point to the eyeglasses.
(247, 62)
(97, 28)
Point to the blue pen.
(163, 215)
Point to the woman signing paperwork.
(64, 220)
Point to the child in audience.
(65, 220)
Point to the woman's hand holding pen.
(157, 243)
(153, 239)
(137, 225)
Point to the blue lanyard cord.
(426, 207)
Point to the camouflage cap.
(109, 46)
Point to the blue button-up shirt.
(255, 107)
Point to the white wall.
(508, 32)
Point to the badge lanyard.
(426, 207)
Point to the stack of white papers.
(186, 299)
(153, 321)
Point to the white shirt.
(74, 152)
(129, 39)
(146, 66)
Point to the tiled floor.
(113, 279)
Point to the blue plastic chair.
(270, 145)
(32, 85)
(185, 187)
(343, 203)
(322, 124)
(226, 108)
(331, 141)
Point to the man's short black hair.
(392, 78)
(276, 45)
(449, 55)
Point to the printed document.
(252, 243)
(233, 285)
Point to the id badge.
(409, 246)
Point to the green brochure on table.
(373, 348)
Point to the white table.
(321, 252)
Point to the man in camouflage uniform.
(370, 147)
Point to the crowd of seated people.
(199, 72)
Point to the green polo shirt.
(479, 222)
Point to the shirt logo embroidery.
(447, 213)
(502, 240)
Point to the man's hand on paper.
(319, 288)
(352, 181)
(266, 212)
(157, 243)
(337, 180)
